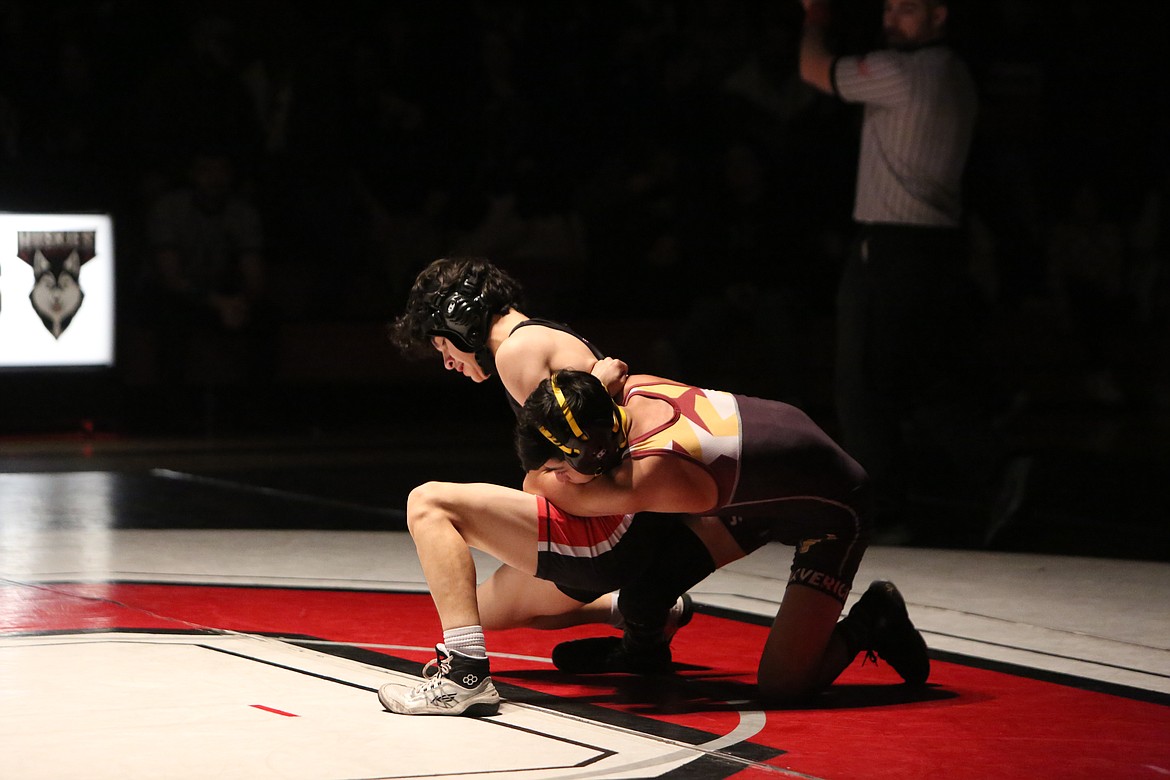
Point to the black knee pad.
(681, 562)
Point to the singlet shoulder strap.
(597, 353)
(661, 389)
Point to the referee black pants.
(905, 361)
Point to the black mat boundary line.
(699, 768)
(393, 514)
(749, 751)
(600, 753)
(1003, 667)
(1058, 678)
(140, 498)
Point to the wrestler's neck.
(502, 327)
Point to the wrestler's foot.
(880, 624)
(455, 684)
(611, 654)
(627, 653)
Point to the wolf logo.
(56, 259)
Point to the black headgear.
(460, 315)
(592, 451)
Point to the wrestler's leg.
(681, 557)
(803, 653)
(513, 599)
(713, 532)
(447, 519)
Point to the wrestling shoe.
(623, 654)
(879, 625)
(610, 655)
(454, 684)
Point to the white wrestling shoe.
(455, 684)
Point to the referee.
(900, 309)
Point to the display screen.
(56, 290)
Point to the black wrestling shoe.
(611, 654)
(879, 624)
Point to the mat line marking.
(304, 498)
(699, 595)
(751, 722)
(1048, 654)
(685, 747)
(989, 643)
(203, 580)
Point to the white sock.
(616, 619)
(467, 640)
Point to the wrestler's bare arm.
(531, 354)
(651, 484)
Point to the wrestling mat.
(180, 680)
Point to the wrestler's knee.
(782, 685)
(427, 504)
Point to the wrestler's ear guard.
(460, 315)
(589, 452)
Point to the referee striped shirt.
(918, 121)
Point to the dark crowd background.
(653, 171)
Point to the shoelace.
(434, 672)
(440, 666)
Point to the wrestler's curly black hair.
(588, 401)
(409, 331)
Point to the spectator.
(205, 279)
